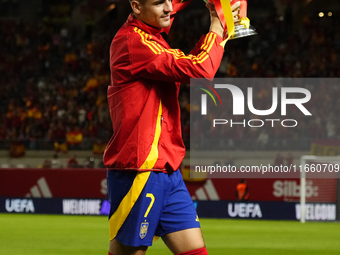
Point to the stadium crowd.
(53, 86)
(54, 78)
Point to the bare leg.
(184, 240)
(117, 248)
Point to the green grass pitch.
(66, 235)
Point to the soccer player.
(146, 191)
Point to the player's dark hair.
(141, 1)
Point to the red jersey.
(143, 96)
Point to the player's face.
(155, 13)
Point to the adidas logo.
(40, 190)
(207, 192)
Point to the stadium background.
(54, 119)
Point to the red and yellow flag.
(74, 137)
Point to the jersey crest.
(143, 229)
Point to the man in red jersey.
(147, 194)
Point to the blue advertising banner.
(55, 206)
(205, 209)
(264, 210)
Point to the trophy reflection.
(242, 27)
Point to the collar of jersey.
(133, 21)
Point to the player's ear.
(136, 6)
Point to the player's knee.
(200, 251)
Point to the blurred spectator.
(229, 162)
(242, 191)
(57, 134)
(17, 149)
(262, 139)
(55, 162)
(89, 162)
(289, 159)
(72, 162)
(47, 163)
(279, 160)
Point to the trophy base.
(241, 31)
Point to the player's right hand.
(235, 8)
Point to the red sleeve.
(149, 59)
(195, 51)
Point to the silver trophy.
(243, 27)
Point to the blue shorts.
(148, 204)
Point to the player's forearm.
(216, 26)
(215, 23)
